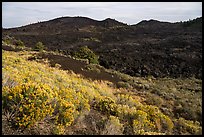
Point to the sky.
(16, 14)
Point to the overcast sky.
(16, 14)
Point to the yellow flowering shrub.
(106, 105)
(58, 130)
(35, 91)
(162, 122)
(29, 103)
(142, 124)
(188, 126)
(144, 119)
(64, 112)
(67, 98)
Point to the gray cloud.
(15, 14)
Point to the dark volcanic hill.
(147, 48)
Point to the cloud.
(16, 14)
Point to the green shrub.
(122, 84)
(94, 67)
(19, 43)
(39, 46)
(8, 41)
(86, 53)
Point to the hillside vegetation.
(40, 98)
(150, 47)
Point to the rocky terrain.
(53, 90)
(160, 49)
